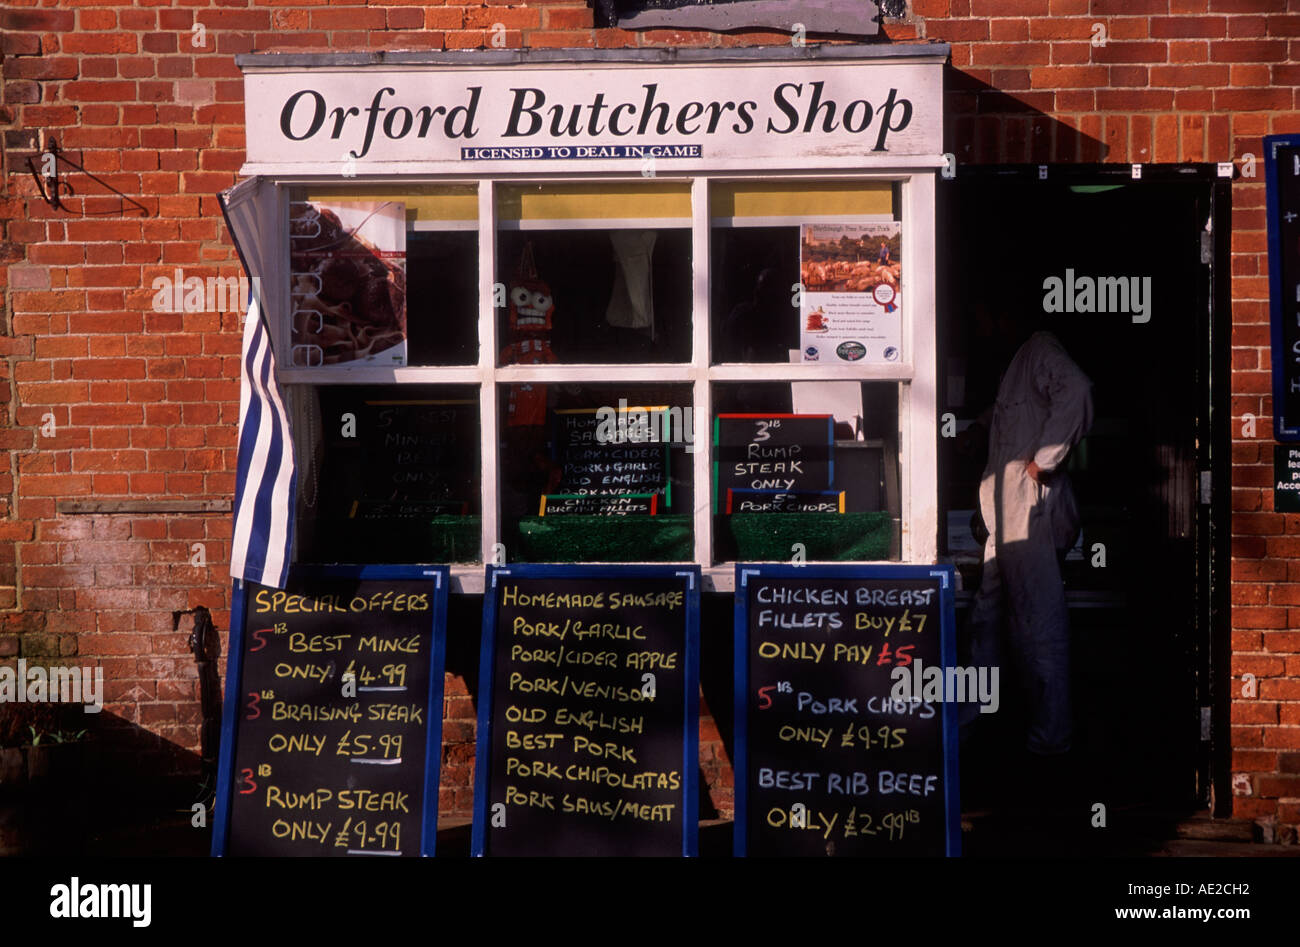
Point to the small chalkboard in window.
(788, 453)
(605, 464)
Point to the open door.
(1122, 270)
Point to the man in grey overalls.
(1044, 408)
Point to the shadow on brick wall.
(96, 784)
(988, 125)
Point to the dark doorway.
(1146, 656)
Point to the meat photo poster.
(348, 273)
(850, 309)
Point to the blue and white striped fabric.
(264, 487)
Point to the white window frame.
(916, 376)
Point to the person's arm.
(1069, 395)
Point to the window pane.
(392, 474)
(595, 273)
(841, 306)
(808, 463)
(398, 263)
(754, 316)
(604, 475)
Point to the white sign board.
(650, 118)
(849, 307)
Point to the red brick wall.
(144, 403)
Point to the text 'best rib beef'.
(348, 263)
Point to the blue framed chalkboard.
(827, 760)
(588, 711)
(1282, 176)
(351, 765)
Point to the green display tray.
(455, 539)
(828, 537)
(664, 538)
(754, 537)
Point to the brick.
(98, 20)
(1257, 760)
(551, 39)
(1176, 77)
(1129, 77)
(1248, 51)
(1248, 6)
(46, 67)
(1189, 51)
(351, 18)
(1124, 52)
(1264, 618)
(1010, 54)
(563, 18)
(1135, 100)
(1058, 77)
(90, 91)
(1254, 711)
(1252, 99)
(962, 30)
(138, 20)
(1247, 736)
(20, 44)
(1282, 641)
(48, 21)
(998, 8)
(99, 43)
(1210, 27)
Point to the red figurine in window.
(531, 308)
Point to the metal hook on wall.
(50, 180)
(53, 188)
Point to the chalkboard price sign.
(781, 501)
(332, 730)
(788, 453)
(401, 452)
(562, 504)
(588, 729)
(828, 760)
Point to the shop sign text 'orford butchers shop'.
(595, 117)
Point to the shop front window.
(607, 478)
(627, 371)
(805, 468)
(395, 473)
